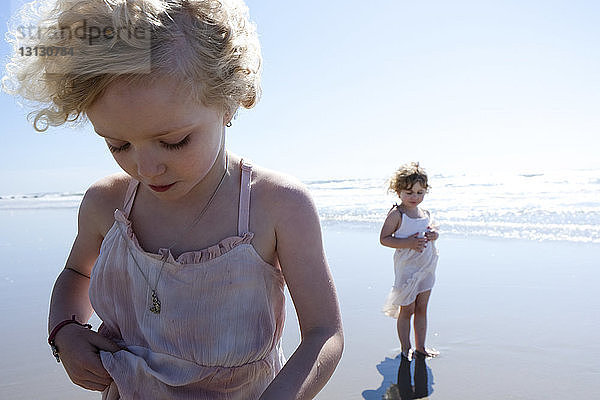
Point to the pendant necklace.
(155, 307)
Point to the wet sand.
(512, 319)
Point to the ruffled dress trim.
(189, 257)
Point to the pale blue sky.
(355, 88)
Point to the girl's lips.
(161, 188)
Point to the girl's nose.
(149, 166)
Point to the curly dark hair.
(406, 176)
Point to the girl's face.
(162, 139)
(414, 196)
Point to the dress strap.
(244, 211)
(130, 196)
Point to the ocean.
(561, 205)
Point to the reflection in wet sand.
(404, 389)
(402, 380)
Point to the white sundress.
(414, 272)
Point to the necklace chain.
(155, 308)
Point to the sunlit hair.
(406, 176)
(210, 48)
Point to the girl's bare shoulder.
(280, 193)
(395, 210)
(102, 198)
(395, 214)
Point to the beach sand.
(512, 319)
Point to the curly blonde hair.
(80, 47)
(406, 176)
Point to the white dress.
(414, 271)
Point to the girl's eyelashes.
(177, 146)
(410, 192)
(169, 146)
(117, 149)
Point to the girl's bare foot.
(426, 353)
(408, 354)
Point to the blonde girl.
(185, 254)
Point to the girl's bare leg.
(421, 321)
(406, 313)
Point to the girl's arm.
(78, 347)
(302, 260)
(432, 230)
(391, 224)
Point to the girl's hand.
(431, 235)
(79, 352)
(417, 243)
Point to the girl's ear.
(227, 118)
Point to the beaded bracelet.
(55, 331)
